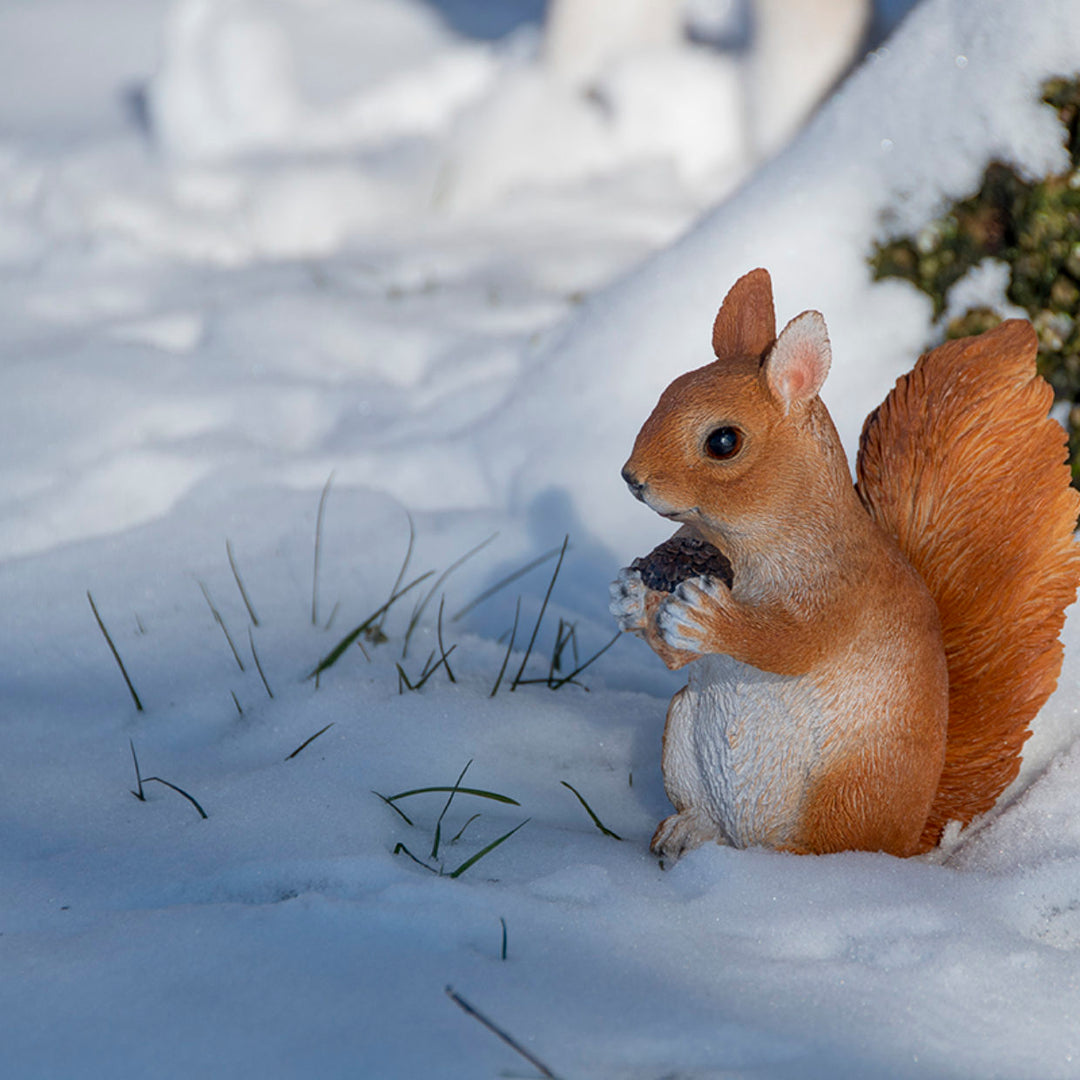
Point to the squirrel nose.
(633, 483)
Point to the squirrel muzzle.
(636, 486)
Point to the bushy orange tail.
(962, 464)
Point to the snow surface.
(221, 286)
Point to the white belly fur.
(742, 744)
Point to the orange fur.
(745, 325)
(963, 466)
(939, 609)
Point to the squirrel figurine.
(865, 659)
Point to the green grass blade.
(179, 791)
(336, 653)
(221, 622)
(309, 740)
(397, 809)
(404, 566)
(473, 859)
(318, 550)
(426, 670)
(402, 680)
(461, 832)
(113, 650)
(509, 649)
(258, 663)
(564, 635)
(498, 1032)
(422, 605)
(503, 582)
(540, 617)
(581, 667)
(240, 585)
(545, 681)
(439, 638)
(429, 671)
(450, 798)
(477, 792)
(140, 794)
(401, 849)
(589, 810)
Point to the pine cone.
(680, 558)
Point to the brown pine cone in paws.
(680, 558)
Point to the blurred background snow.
(408, 193)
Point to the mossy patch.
(1033, 227)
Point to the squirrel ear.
(746, 325)
(797, 365)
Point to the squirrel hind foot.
(682, 832)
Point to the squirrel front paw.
(682, 618)
(627, 603)
(682, 832)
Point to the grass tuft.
(437, 844)
(557, 684)
(430, 666)
(116, 654)
(565, 635)
(572, 677)
(335, 654)
(426, 672)
(141, 780)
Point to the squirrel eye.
(724, 443)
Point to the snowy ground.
(216, 292)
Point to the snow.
(224, 282)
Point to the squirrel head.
(733, 448)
